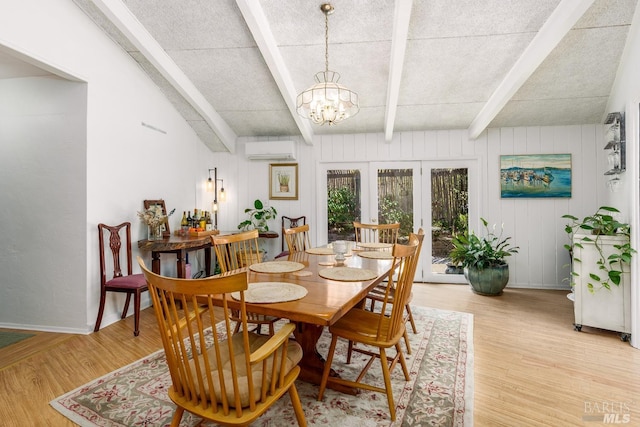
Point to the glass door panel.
(449, 205)
(346, 199)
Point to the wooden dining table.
(326, 301)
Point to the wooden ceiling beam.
(129, 25)
(562, 19)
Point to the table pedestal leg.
(312, 363)
(155, 262)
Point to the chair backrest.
(290, 222)
(398, 289)
(297, 238)
(119, 246)
(235, 251)
(216, 370)
(376, 233)
(416, 238)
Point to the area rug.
(439, 393)
(8, 338)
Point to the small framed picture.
(159, 206)
(283, 181)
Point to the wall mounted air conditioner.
(270, 150)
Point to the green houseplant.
(483, 259)
(591, 229)
(259, 216)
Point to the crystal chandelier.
(327, 101)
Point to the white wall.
(43, 193)
(123, 162)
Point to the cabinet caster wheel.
(625, 337)
(577, 327)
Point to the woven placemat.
(347, 274)
(270, 292)
(276, 267)
(320, 251)
(376, 254)
(375, 245)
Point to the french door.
(438, 196)
(449, 201)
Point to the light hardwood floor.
(531, 367)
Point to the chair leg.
(406, 341)
(297, 406)
(413, 324)
(177, 417)
(327, 366)
(387, 384)
(126, 305)
(136, 313)
(103, 297)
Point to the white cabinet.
(605, 308)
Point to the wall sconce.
(212, 186)
(616, 158)
(615, 138)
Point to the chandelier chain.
(326, 41)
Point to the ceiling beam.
(401, 18)
(261, 31)
(127, 23)
(562, 19)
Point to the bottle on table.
(203, 220)
(184, 224)
(208, 225)
(189, 220)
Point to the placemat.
(320, 251)
(375, 245)
(276, 267)
(376, 254)
(347, 274)
(270, 292)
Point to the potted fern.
(483, 259)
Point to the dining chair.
(290, 222)
(226, 377)
(378, 293)
(119, 246)
(234, 251)
(297, 238)
(376, 233)
(377, 330)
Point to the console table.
(179, 245)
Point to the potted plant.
(259, 216)
(600, 251)
(482, 258)
(592, 230)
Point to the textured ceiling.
(233, 67)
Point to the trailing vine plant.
(601, 223)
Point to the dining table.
(326, 298)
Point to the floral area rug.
(439, 393)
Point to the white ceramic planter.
(604, 309)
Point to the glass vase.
(155, 232)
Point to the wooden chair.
(376, 330)
(376, 233)
(236, 251)
(131, 284)
(297, 238)
(378, 293)
(290, 222)
(226, 377)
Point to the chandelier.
(327, 101)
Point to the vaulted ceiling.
(234, 67)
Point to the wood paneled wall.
(535, 224)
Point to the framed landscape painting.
(535, 175)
